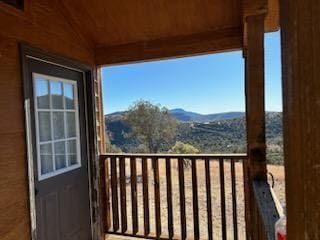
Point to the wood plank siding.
(40, 25)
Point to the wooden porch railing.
(267, 211)
(169, 196)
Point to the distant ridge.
(219, 135)
(187, 116)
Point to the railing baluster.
(155, 164)
(114, 190)
(104, 194)
(118, 161)
(223, 200)
(123, 198)
(169, 198)
(195, 198)
(182, 199)
(234, 200)
(208, 190)
(135, 223)
(145, 196)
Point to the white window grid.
(68, 167)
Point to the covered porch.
(141, 201)
(81, 37)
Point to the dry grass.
(279, 182)
(215, 197)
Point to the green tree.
(111, 148)
(184, 148)
(141, 148)
(151, 124)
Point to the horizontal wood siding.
(40, 25)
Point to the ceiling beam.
(171, 47)
(272, 21)
(255, 7)
(269, 9)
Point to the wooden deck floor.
(119, 237)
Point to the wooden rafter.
(208, 42)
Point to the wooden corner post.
(255, 168)
(101, 145)
(300, 36)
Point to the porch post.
(99, 111)
(300, 23)
(255, 168)
(103, 185)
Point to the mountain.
(115, 116)
(217, 136)
(187, 116)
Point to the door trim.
(26, 53)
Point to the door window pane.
(42, 93)
(60, 154)
(56, 94)
(71, 124)
(46, 158)
(72, 152)
(58, 125)
(44, 126)
(69, 95)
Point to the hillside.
(217, 136)
(187, 116)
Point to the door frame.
(27, 52)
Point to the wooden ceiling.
(115, 23)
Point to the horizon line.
(231, 111)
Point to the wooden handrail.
(267, 209)
(164, 155)
(186, 191)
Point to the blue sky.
(204, 84)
